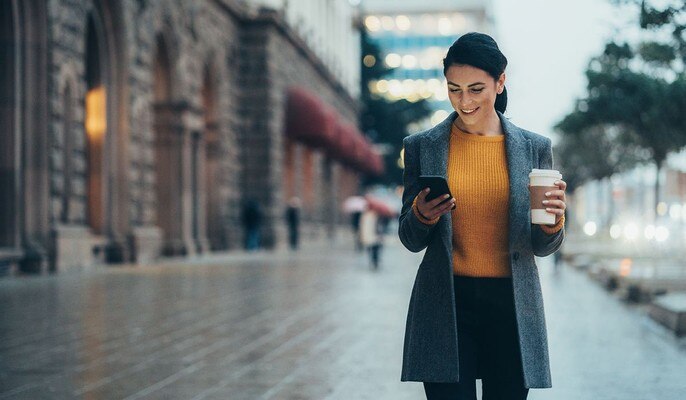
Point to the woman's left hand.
(556, 202)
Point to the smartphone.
(437, 184)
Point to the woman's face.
(472, 92)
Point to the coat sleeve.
(413, 233)
(542, 243)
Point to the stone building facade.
(135, 129)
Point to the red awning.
(344, 147)
(355, 150)
(308, 119)
(377, 165)
(361, 152)
(373, 162)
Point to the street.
(318, 324)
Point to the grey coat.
(430, 350)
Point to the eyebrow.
(473, 84)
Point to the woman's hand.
(432, 209)
(556, 202)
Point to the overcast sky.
(548, 44)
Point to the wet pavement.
(312, 325)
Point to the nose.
(465, 100)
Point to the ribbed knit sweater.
(478, 180)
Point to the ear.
(500, 84)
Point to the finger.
(441, 209)
(555, 204)
(438, 200)
(445, 206)
(555, 193)
(555, 211)
(448, 206)
(561, 184)
(422, 194)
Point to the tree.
(594, 153)
(637, 92)
(384, 121)
(669, 19)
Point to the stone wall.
(194, 97)
(274, 59)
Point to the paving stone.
(312, 325)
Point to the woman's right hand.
(434, 208)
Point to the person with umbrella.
(355, 206)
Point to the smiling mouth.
(469, 111)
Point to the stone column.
(199, 191)
(169, 178)
(9, 157)
(192, 189)
(330, 206)
(33, 128)
(212, 205)
(258, 137)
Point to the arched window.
(95, 123)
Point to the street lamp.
(590, 228)
(661, 233)
(649, 232)
(631, 232)
(615, 231)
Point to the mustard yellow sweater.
(478, 180)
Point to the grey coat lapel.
(433, 158)
(434, 161)
(519, 164)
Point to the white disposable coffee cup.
(542, 181)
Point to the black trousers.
(375, 254)
(488, 344)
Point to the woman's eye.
(475, 91)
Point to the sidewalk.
(316, 324)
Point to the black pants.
(488, 345)
(375, 254)
(293, 236)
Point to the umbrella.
(380, 207)
(354, 204)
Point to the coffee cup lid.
(553, 173)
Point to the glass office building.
(413, 38)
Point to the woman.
(369, 235)
(476, 309)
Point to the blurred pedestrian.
(370, 236)
(384, 223)
(557, 260)
(251, 218)
(476, 309)
(355, 225)
(293, 221)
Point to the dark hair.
(480, 51)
